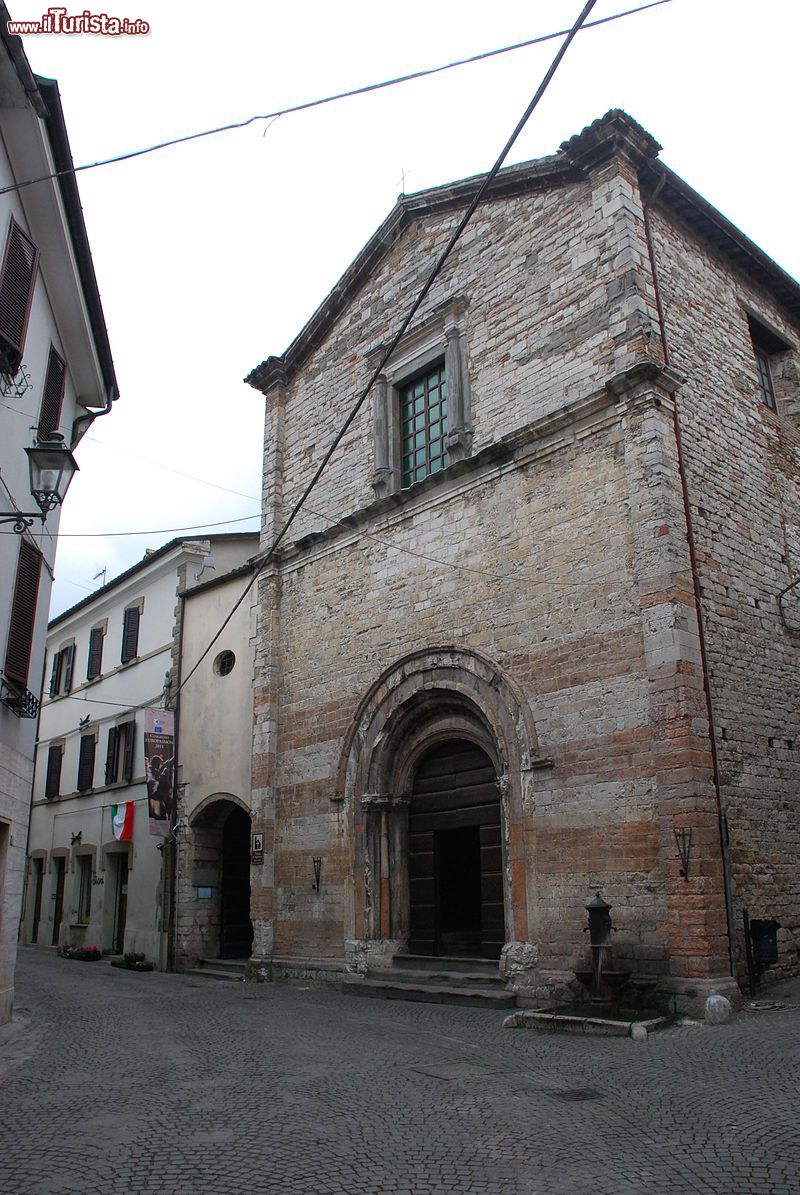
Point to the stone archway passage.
(455, 854)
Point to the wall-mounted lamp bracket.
(683, 840)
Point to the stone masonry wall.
(551, 282)
(561, 555)
(545, 591)
(742, 469)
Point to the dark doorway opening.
(458, 860)
(58, 908)
(455, 855)
(120, 904)
(236, 928)
(38, 880)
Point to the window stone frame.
(442, 336)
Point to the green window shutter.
(52, 784)
(130, 634)
(55, 673)
(69, 667)
(23, 614)
(127, 766)
(86, 763)
(52, 395)
(112, 755)
(17, 280)
(95, 664)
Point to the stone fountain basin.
(577, 1019)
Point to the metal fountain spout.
(600, 930)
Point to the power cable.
(465, 568)
(329, 99)
(171, 469)
(151, 531)
(438, 267)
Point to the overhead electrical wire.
(328, 99)
(437, 269)
(151, 531)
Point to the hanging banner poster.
(159, 769)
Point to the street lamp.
(52, 467)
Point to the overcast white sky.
(211, 256)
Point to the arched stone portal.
(431, 704)
(214, 903)
(455, 856)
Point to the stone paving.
(168, 1085)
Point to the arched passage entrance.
(219, 881)
(401, 764)
(455, 859)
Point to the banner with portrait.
(159, 769)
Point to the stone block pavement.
(168, 1085)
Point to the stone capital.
(384, 801)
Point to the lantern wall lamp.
(52, 467)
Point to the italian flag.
(122, 821)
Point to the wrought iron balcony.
(15, 697)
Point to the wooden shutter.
(55, 673)
(130, 635)
(127, 764)
(52, 782)
(52, 395)
(69, 667)
(95, 665)
(23, 614)
(86, 763)
(112, 755)
(16, 292)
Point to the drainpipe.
(78, 432)
(721, 817)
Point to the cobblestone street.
(112, 1081)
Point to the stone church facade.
(534, 635)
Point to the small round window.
(224, 663)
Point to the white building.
(213, 912)
(110, 658)
(56, 375)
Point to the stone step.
(220, 968)
(207, 972)
(440, 976)
(225, 964)
(447, 964)
(429, 993)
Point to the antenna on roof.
(101, 573)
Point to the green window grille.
(423, 425)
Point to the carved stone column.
(382, 475)
(459, 434)
(385, 866)
(399, 894)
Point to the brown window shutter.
(52, 395)
(52, 784)
(95, 665)
(55, 673)
(127, 766)
(112, 755)
(69, 667)
(16, 293)
(86, 763)
(130, 635)
(23, 614)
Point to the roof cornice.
(615, 133)
(670, 190)
(182, 545)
